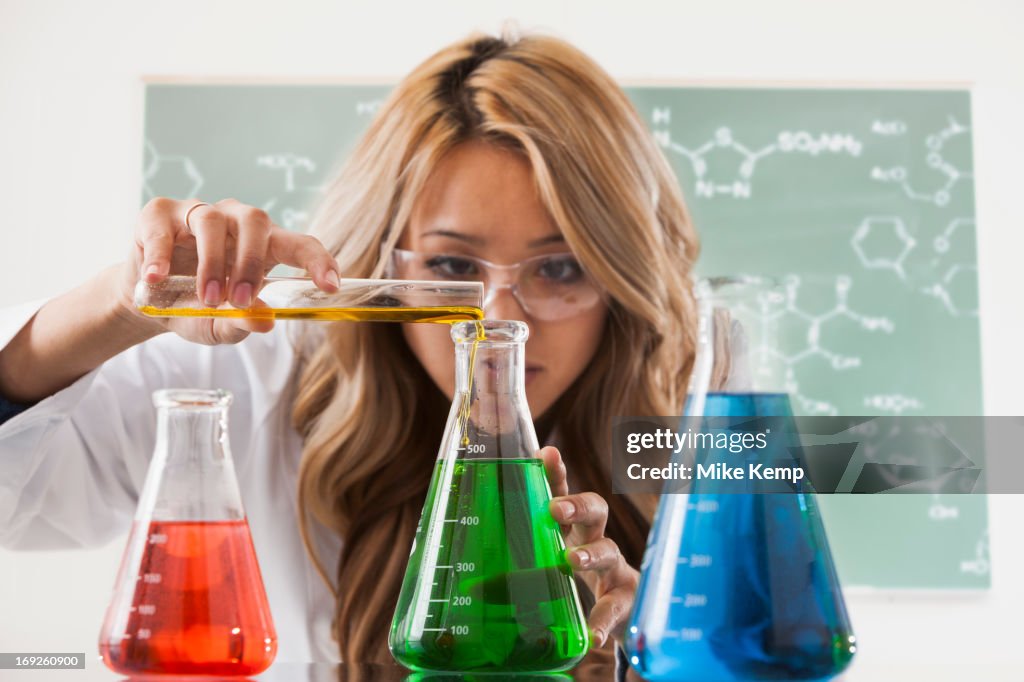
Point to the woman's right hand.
(230, 247)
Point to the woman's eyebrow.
(550, 239)
(477, 241)
(470, 239)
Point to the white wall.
(70, 159)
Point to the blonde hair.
(371, 417)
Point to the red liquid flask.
(189, 598)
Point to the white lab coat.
(72, 466)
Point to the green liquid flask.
(488, 587)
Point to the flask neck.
(738, 336)
(191, 476)
(495, 368)
(186, 435)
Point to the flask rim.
(495, 331)
(192, 398)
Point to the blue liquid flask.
(738, 584)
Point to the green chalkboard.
(861, 200)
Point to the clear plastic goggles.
(547, 287)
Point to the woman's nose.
(500, 303)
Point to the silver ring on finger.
(189, 212)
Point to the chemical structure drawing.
(289, 218)
(806, 404)
(785, 310)
(940, 512)
(889, 128)
(816, 322)
(170, 175)
(291, 210)
(979, 564)
(957, 290)
(942, 242)
(368, 107)
(894, 403)
(739, 186)
(289, 163)
(873, 261)
(934, 145)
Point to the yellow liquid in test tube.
(435, 314)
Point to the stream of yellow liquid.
(464, 416)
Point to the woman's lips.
(531, 370)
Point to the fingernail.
(566, 509)
(241, 296)
(582, 557)
(332, 277)
(212, 294)
(599, 638)
(153, 269)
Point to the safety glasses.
(547, 287)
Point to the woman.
(493, 151)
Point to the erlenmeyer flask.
(189, 598)
(488, 587)
(738, 583)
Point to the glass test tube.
(298, 298)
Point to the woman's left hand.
(583, 517)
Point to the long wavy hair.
(371, 417)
